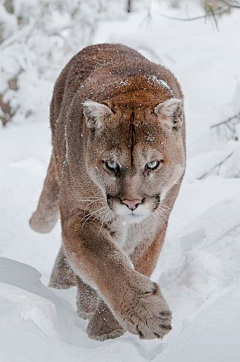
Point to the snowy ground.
(199, 269)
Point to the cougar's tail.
(46, 216)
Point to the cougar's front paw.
(103, 325)
(151, 317)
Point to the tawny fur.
(138, 115)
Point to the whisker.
(103, 220)
(157, 217)
(101, 213)
(164, 212)
(161, 218)
(165, 206)
(164, 217)
(89, 215)
(157, 213)
(89, 199)
(165, 209)
(92, 202)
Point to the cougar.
(118, 159)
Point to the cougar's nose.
(132, 204)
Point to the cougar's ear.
(95, 113)
(171, 112)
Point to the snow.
(198, 270)
(154, 79)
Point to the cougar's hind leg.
(46, 216)
(63, 278)
(87, 299)
(62, 275)
(103, 324)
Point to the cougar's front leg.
(134, 299)
(145, 256)
(103, 325)
(45, 217)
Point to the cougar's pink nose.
(132, 204)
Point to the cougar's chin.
(134, 218)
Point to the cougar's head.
(134, 154)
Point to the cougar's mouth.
(130, 216)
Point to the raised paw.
(151, 317)
(103, 325)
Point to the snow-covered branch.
(37, 38)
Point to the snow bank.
(199, 275)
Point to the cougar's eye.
(112, 166)
(152, 165)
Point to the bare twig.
(228, 127)
(227, 121)
(129, 6)
(232, 4)
(184, 19)
(219, 12)
(210, 12)
(218, 165)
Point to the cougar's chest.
(120, 233)
(129, 236)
